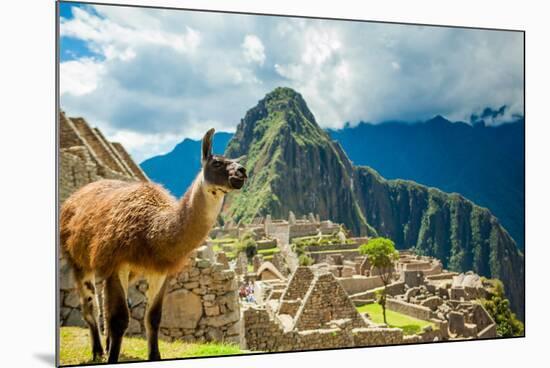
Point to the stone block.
(72, 300)
(456, 323)
(138, 312)
(432, 302)
(75, 319)
(134, 327)
(181, 309)
(212, 311)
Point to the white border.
(27, 202)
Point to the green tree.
(248, 245)
(382, 255)
(305, 260)
(499, 308)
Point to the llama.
(117, 231)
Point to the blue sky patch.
(72, 48)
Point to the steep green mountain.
(484, 163)
(294, 165)
(177, 169)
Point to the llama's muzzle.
(238, 177)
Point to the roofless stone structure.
(86, 156)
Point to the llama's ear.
(207, 145)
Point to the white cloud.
(253, 49)
(113, 40)
(79, 77)
(165, 74)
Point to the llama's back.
(104, 221)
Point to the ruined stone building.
(86, 156)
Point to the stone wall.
(334, 247)
(86, 156)
(201, 304)
(300, 230)
(393, 289)
(321, 256)
(325, 302)
(77, 168)
(413, 310)
(263, 333)
(298, 284)
(278, 231)
(358, 284)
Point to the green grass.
(409, 325)
(335, 251)
(224, 240)
(269, 252)
(75, 348)
(316, 241)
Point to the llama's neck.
(194, 216)
(202, 204)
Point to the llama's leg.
(116, 315)
(153, 314)
(85, 283)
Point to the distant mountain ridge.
(484, 163)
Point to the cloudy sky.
(149, 78)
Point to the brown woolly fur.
(109, 223)
(118, 230)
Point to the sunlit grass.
(76, 349)
(409, 325)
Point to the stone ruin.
(86, 156)
(424, 290)
(201, 304)
(313, 311)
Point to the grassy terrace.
(234, 244)
(321, 241)
(75, 348)
(335, 251)
(224, 240)
(217, 245)
(269, 252)
(409, 325)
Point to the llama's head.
(218, 171)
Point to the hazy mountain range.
(484, 163)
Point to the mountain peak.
(280, 114)
(283, 93)
(438, 119)
(286, 100)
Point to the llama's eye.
(217, 164)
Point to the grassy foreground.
(409, 325)
(75, 348)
